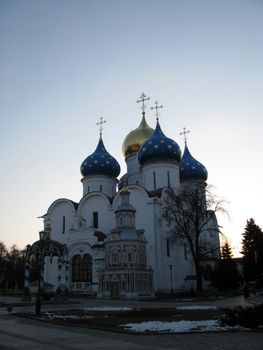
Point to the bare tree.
(191, 214)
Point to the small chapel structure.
(117, 244)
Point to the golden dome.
(136, 138)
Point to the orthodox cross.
(156, 107)
(142, 99)
(100, 124)
(184, 133)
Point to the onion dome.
(136, 138)
(159, 147)
(100, 163)
(190, 168)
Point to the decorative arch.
(89, 196)
(80, 248)
(72, 204)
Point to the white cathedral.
(117, 244)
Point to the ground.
(20, 333)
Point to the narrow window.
(63, 224)
(168, 178)
(95, 219)
(88, 189)
(100, 188)
(168, 247)
(154, 180)
(185, 251)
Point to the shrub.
(245, 316)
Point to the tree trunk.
(199, 276)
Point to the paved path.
(24, 334)
(17, 333)
(83, 302)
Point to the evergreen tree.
(226, 275)
(226, 251)
(252, 251)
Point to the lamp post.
(44, 247)
(26, 275)
(171, 277)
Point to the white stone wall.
(97, 202)
(61, 216)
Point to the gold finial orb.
(136, 138)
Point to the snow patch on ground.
(107, 308)
(177, 327)
(51, 316)
(72, 317)
(196, 307)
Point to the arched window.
(82, 268)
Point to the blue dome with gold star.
(100, 163)
(190, 168)
(159, 147)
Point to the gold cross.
(142, 99)
(156, 107)
(100, 124)
(185, 133)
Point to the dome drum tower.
(99, 183)
(159, 157)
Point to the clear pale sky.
(65, 64)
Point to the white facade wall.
(210, 238)
(97, 202)
(51, 271)
(61, 215)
